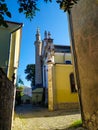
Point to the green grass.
(77, 124)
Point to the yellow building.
(64, 94)
(58, 75)
(10, 48)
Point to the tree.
(29, 8)
(30, 71)
(19, 91)
(4, 12)
(19, 81)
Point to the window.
(72, 83)
(68, 62)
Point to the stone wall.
(50, 87)
(84, 36)
(70, 107)
(6, 102)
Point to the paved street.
(29, 117)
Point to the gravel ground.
(28, 117)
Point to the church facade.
(55, 73)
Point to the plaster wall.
(63, 94)
(84, 29)
(4, 48)
(14, 53)
(59, 58)
(62, 57)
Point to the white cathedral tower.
(38, 71)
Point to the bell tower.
(38, 70)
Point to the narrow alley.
(28, 117)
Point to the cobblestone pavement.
(37, 118)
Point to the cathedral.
(54, 72)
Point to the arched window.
(72, 83)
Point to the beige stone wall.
(85, 40)
(50, 88)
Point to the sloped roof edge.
(14, 22)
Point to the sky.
(49, 18)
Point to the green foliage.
(30, 71)
(19, 82)
(19, 94)
(21, 88)
(4, 12)
(29, 8)
(67, 4)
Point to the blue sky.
(49, 18)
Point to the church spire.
(49, 34)
(38, 37)
(45, 35)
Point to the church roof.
(62, 48)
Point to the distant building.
(26, 99)
(55, 72)
(10, 39)
(37, 95)
(27, 91)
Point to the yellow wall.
(14, 53)
(62, 84)
(60, 95)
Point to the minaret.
(38, 71)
